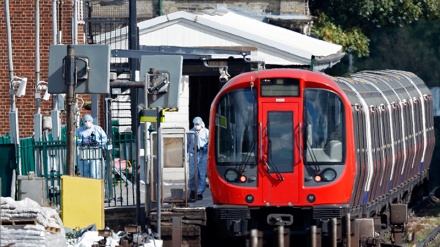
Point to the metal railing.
(120, 174)
(47, 159)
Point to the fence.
(47, 159)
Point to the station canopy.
(225, 29)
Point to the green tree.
(412, 48)
(351, 23)
(352, 39)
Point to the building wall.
(22, 23)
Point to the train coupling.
(280, 219)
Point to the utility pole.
(70, 80)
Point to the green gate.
(7, 166)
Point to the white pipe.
(10, 63)
(75, 23)
(54, 22)
(13, 113)
(37, 119)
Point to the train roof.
(382, 87)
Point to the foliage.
(352, 40)
(361, 18)
(412, 48)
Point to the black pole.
(134, 100)
(109, 159)
(158, 170)
(139, 218)
(132, 62)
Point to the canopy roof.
(222, 29)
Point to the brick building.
(23, 25)
(22, 30)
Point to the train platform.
(176, 188)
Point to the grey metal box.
(33, 188)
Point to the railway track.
(428, 207)
(430, 239)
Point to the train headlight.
(328, 174)
(231, 175)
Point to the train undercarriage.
(380, 223)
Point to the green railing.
(47, 159)
(120, 181)
(5, 140)
(50, 164)
(27, 155)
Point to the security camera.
(46, 95)
(224, 75)
(41, 86)
(22, 87)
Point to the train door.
(279, 152)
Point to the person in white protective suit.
(89, 138)
(202, 135)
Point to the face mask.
(88, 124)
(198, 127)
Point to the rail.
(428, 240)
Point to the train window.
(235, 128)
(325, 127)
(275, 87)
(324, 136)
(280, 140)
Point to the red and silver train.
(328, 161)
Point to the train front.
(280, 151)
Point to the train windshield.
(324, 127)
(235, 128)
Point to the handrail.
(260, 144)
(301, 143)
